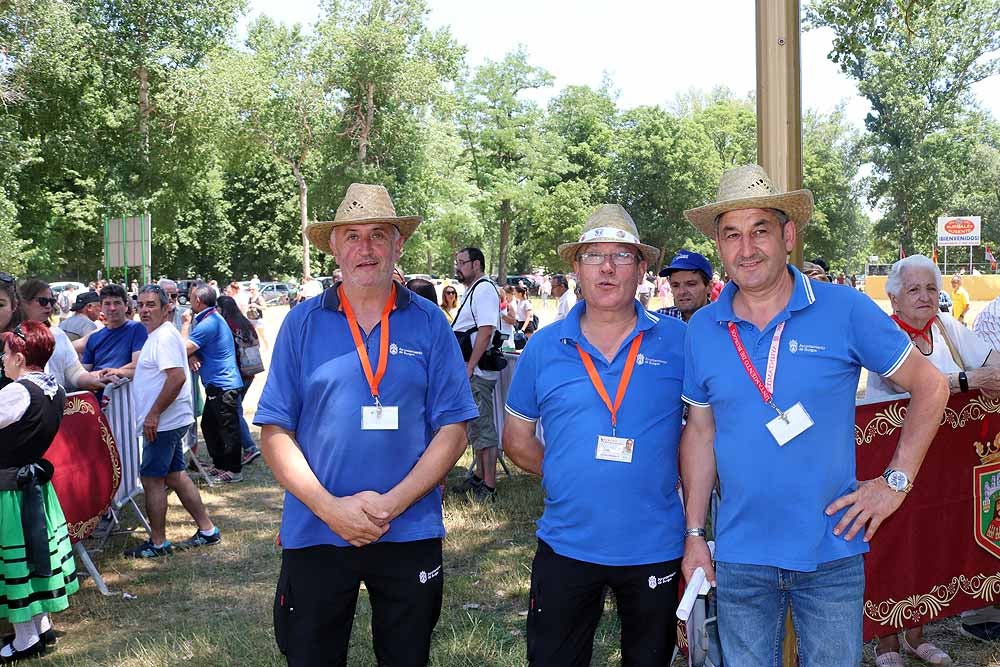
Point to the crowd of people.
(377, 385)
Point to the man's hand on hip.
(870, 505)
(347, 518)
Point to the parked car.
(527, 281)
(60, 286)
(276, 292)
(183, 287)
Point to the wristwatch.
(897, 480)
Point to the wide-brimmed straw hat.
(609, 223)
(749, 186)
(363, 205)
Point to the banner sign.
(87, 466)
(939, 554)
(961, 230)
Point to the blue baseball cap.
(687, 260)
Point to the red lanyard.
(913, 332)
(383, 348)
(765, 387)
(595, 379)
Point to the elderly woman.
(36, 302)
(966, 361)
(36, 560)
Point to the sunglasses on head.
(19, 332)
(7, 278)
(45, 300)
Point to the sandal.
(890, 659)
(927, 652)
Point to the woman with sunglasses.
(36, 304)
(449, 302)
(37, 571)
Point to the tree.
(916, 64)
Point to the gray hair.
(166, 284)
(158, 291)
(895, 281)
(205, 294)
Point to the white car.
(60, 286)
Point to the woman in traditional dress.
(36, 559)
(968, 363)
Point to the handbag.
(493, 358)
(248, 357)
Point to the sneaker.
(147, 550)
(483, 494)
(227, 477)
(984, 632)
(201, 540)
(250, 455)
(470, 483)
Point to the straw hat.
(363, 205)
(609, 223)
(750, 187)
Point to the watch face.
(897, 480)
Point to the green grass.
(212, 606)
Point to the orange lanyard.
(383, 347)
(595, 379)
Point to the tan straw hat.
(609, 223)
(750, 187)
(363, 205)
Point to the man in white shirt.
(479, 314)
(164, 410)
(560, 290)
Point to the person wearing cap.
(690, 278)
(363, 414)
(771, 371)
(612, 514)
(86, 311)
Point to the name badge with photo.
(379, 418)
(785, 427)
(610, 448)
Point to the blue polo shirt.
(773, 498)
(606, 512)
(316, 388)
(113, 348)
(216, 350)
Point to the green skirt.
(23, 595)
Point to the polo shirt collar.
(802, 297)
(203, 314)
(573, 334)
(331, 297)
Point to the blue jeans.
(826, 611)
(246, 440)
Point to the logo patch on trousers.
(427, 576)
(655, 581)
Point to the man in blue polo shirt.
(690, 278)
(771, 371)
(114, 349)
(211, 341)
(605, 382)
(362, 415)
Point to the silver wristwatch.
(897, 480)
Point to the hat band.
(611, 234)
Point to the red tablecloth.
(87, 467)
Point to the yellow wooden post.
(779, 97)
(779, 131)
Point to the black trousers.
(220, 424)
(567, 597)
(318, 592)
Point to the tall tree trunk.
(430, 260)
(506, 217)
(144, 110)
(366, 124)
(303, 217)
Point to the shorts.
(164, 455)
(318, 591)
(483, 429)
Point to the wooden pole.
(779, 97)
(779, 133)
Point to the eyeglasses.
(620, 258)
(460, 262)
(44, 301)
(174, 296)
(19, 332)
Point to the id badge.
(610, 448)
(795, 421)
(379, 418)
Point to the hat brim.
(318, 233)
(797, 205)
(568, 250)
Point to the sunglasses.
(7, 278)
(44, 301)
(19, 332)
